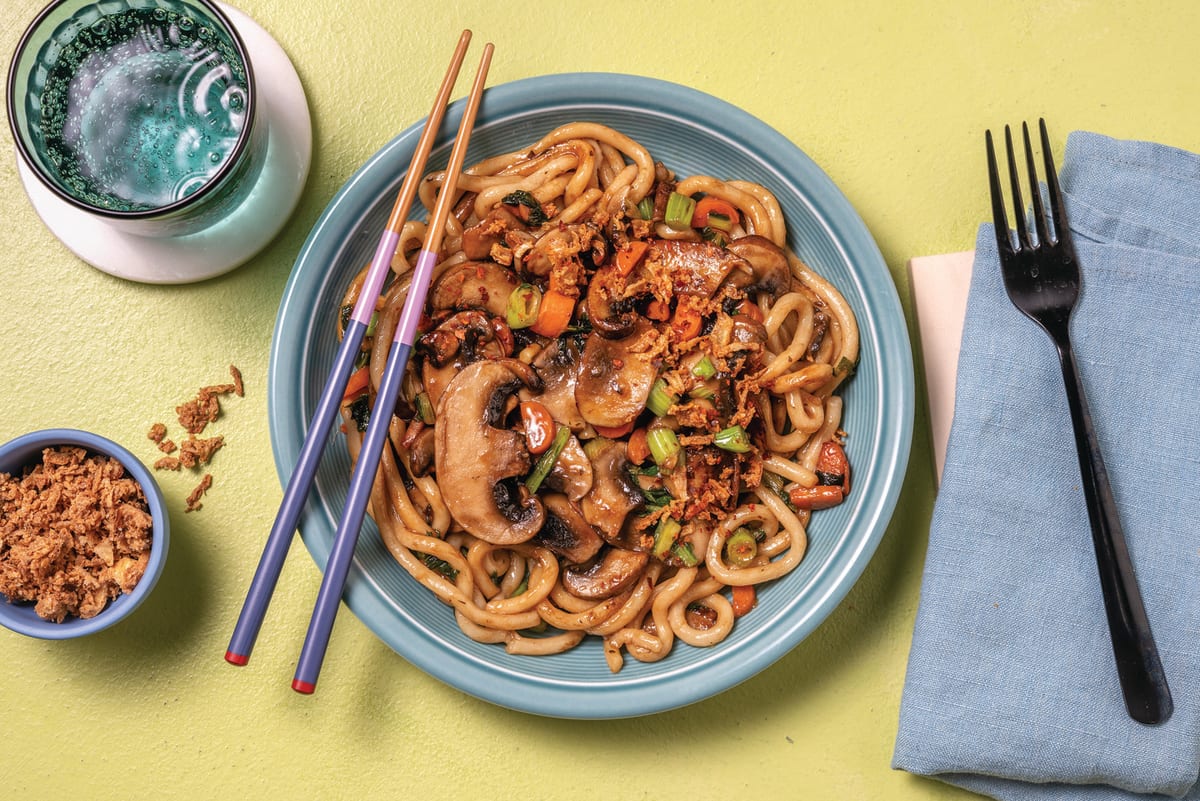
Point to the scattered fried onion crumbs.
(195, 415)
(75, 532)
(193, 500)
(195, 451)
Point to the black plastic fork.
(1042, 279)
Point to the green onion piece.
(371, 325)
(646, 208)
(741, 547)
(595, 446)
(664, 446)
(545, 463)
(664, 535)
(721, 222)
(714, 235)
(680, 209)
(524, 302)
(425, 408)
(684, 553)
(521, 588)
(844, 365)
(732, 439)
(344, 316)
(704, 368)
(659, 401)
(777, 485)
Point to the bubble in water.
(146, 116)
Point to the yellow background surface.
(891, 99)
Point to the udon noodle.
(621, 410)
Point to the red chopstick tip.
(304, 687)
(236, 659)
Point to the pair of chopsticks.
(337, 567)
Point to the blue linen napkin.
(1011, 688)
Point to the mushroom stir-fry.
(620, 406)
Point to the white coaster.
(239, 236)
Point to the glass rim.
(158, 212)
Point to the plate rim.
(863, 259)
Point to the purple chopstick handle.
(270, 565)
(258, 597)
(337, 567)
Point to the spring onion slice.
(546, 462)
(680, 209)
(733, 439)
(659, 401)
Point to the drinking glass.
(143, 113)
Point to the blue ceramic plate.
(692, 133)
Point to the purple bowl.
(27, 449)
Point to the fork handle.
(1147, 696)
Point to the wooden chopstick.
(262, 586)
(363, 477)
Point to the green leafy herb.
(537, 215)
(360, 412)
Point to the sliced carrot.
(658, 310)
(686, 321)
(612, 432)
(555, 314)
(713, 205)
(744, 599)
(818, 497)
(357, 383)
(631, 255)
(638, 448)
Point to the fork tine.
(1018, 202)
(999, 217)
(1039, 211)
(1057, 209)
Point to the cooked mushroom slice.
(609, 313)
(616, 377)
(572, 472)
(771, 273)
(613, 573)
(477, 461)
(479, 239)
(566, 532)
(557, 365)
(465, 337)
(559, 249)
(613, 496)
(420, 453)
(474, 285)
(697, 268)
